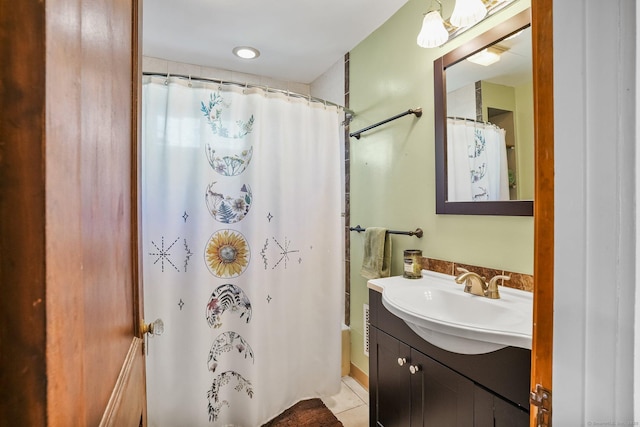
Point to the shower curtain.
(476, 161)
(241, 249)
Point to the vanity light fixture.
(433, 33)
(246, 52)
(467, 13)
(487, 56)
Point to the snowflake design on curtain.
(215, 405)
(227, 297)
(226, 342)
(227, 209)
(227, 254)
(283, 252)
(164, 253)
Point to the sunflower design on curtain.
(227, 254)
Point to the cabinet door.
(439, 396)
(506, 414)
(389, 381)
(493, 411)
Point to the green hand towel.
(377, 253)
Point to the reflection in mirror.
(484, 123)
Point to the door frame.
(543, 267)
(129, 397)
(542, 335)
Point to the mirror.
(484, 124)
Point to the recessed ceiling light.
(246, 52)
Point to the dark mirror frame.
(494, 35)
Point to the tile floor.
(351, 404)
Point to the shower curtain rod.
(470, 120)
(310, 98)
(418, 232)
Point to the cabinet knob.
(414, 369)
(402, 361)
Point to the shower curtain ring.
(190, 85)
(166, 81)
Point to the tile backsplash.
(518, 280)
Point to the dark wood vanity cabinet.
(415, 384)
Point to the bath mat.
(312, 413)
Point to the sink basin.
(438, 310)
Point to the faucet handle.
(492, 289)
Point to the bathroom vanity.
(414, 383)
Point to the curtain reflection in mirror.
(476, 161)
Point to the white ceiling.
(298, 39)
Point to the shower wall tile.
(184, 69)
(162, 66)
(518, 280)
(216, 74)
(298, 88)
(346, 75)
(154, 65)
(330, 84)
(347, 198)
(245, 78)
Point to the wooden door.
(542, 351)
(70, 346)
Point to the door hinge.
(541, 398)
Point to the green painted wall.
(392, 167)
(518, 99)
(497, 96)
(525, 152)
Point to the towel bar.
(418, 232)
(417, 112)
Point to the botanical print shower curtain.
(476, 161)
(241, 250)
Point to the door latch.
(541, 398)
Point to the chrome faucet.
(477, 285)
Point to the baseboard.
(346, 352)
(359, 375)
